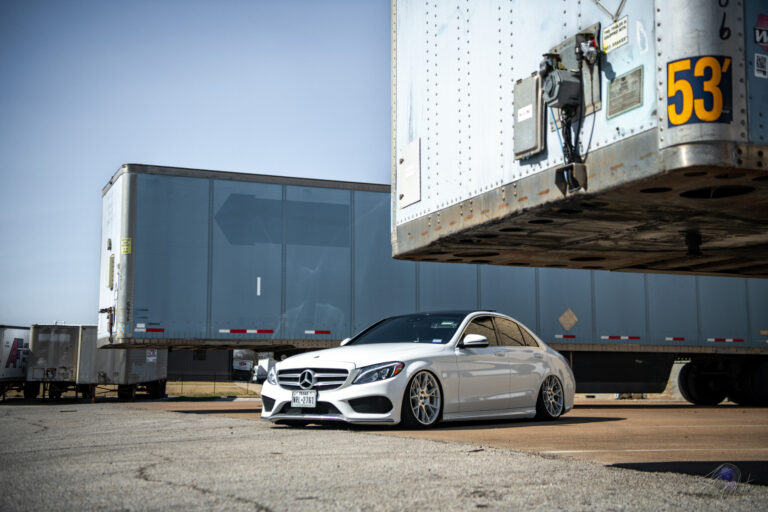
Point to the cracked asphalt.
(69, 456)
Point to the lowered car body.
(421, 369)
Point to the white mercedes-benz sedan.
(424, 368)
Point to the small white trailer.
(14, 342)
(64, 357)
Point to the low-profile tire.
(551, 402)
(422, 401)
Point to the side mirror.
(474, 341)
(345, 341)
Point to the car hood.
(364, 355)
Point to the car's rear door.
(525, 362)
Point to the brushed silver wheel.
(550, 404)
(422, 407)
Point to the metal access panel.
(529, 117)
(670, 136)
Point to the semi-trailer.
(197, 259)
(14, 342)
(65, 357)
(627, 136)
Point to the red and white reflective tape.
(619, 337)
(726, 340)
(317, 332)
(565, 336)
(144, 328)
(674, 338)
(246, 331)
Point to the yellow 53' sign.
(699, 90)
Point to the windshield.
(420, 328)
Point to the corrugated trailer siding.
(620, 312)
(723, 311)
(560, 290)
(511, 290)
(246, 259)
(672, 310)
(171, 255)
(318, 226)
(758, 311)
(383, 286)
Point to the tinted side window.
(529, 340)
(509, 333)
(483, 326)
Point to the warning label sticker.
(616, 35)
(126, 245)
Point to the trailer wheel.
(55, 391)
(699, 388)
(752, 387)
(126, 392)
(31, 390)
(156, 389)
(84, 390)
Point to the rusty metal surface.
(630, 218)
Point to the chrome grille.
(324, 378)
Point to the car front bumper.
(334, 405)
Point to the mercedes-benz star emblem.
(307, 379)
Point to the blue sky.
(284, 87)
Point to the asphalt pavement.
(105, 456)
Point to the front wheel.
(550, 404)
(422, 402)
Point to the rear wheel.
(423, 401)
(550, 404)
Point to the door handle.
(538, 356)
(500, 354)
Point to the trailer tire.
(156, 389)
(84, 390)
(54, 391)
(697, 388)
(126, 392)
(31, 390)
(753, 387)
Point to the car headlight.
(375, 372)
(272, 376)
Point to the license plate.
(307, 398)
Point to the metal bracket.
(571, 178)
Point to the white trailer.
(594, 134)
(14, 342)
(63, 357)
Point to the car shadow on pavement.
(751, 471)
(254, 410)
(486, 424)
